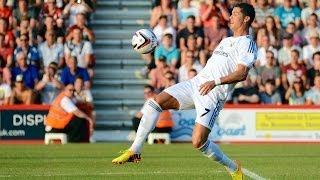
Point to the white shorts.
(188, 95)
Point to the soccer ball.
(144, 41)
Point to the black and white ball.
(144, 41)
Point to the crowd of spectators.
(44, 46)
(287, 33)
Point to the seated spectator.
(73, 8)
(50, 85)
(165, 8)
(25, 28)
(6, 53)
(273, 32)
(49, 25)
(310, 49)
(311, 73)
(295, 95)
(83, 97)
(198, 53)
(21, 94)
(268, 71)
(214, 35)
(262, 52)
(167, 50)
(169, 80)
(21, 11)
(5, 11)
(310, 9)
(293, 70)
(50, 9)
(164, 123)
(30, 73)
(5, 92)
(65, 117)
(247, 94)
(312, 25)
(9, 36)
(31, 52)
(190, 29)
(270, 95)
(286, 14)
(298, 40)
(313, 95)
(212, 8)
(51, 51)
(81, 49)
(163, 28)
(189, 64)
(284, 54)
(81, 23)
(157, 78)
(192, 73)
(185, 11)
(263, 9)
(71, 71)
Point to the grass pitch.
(175, 161)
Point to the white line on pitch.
(252, 174)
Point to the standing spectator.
(214, 35)
(190, 29)
(5, 12)
(310, 9)
(293, 70)
(81, 23)
(29, 73)
(165, 8)
(295, 95)
(167, 50)
(284, 55)
(271, 95)
(310, 49)
(73, 8)
(31, 52)
(268, 71)
(263, 9)
(9, 36)
(189, 64)
(312, 25)
(210, 9)
(81, 49)
(185, 11)
(69, 73)
(164, 28)
(50, 85)
(51, 51)
(262, 51)
(311, 73)
(313, 95)
(5, 92)
(65, 117)
(287, 13)
(298, 40)
(21, 94)
(247, 94)
(6, 53)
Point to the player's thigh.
(182, 94)
(199, 135)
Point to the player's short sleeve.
(247, 52)
(67, 104)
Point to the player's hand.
(206, 87)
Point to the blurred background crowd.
(287, 70)
(45, 45)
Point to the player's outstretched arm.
(239, 75)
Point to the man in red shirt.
(5, 11)
(5, 53)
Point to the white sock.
(150, 111)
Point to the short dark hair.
(193, 70)
(191, 17)
(270, 81)
(316, 53)
(168, 35)
(296, 51)
(247, 10)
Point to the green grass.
(175, 161)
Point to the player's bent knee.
(197, 142)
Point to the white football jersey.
(228, 54)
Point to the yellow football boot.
(238, 174)
(127, 156)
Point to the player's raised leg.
(212, 150)
(151, 110)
